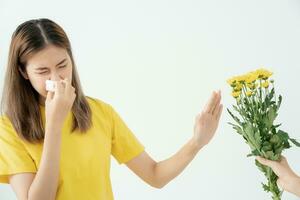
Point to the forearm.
(168, 169)
(45, 183)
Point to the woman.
(57, 145)
(287, 179)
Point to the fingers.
(59, 88)
(217, 104)
(211, 103)
(219, 112)
(64, 86)
(266, 162)
(49, 95)
(261, 160)
(67, 84)
(69, 88)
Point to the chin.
(43, 95)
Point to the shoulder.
(7, 131)
(99, 107)
(5, 124)
(98, 104)
(4, 120)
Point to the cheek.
(68, 73)
(39, 85)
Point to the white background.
(157, 62)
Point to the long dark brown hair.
(20, 101)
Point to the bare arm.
(158, 174)
(43, 185)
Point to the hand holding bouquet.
(257, 107)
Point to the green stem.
(272, 183)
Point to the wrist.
(53, 127)
(196, 145)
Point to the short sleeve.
(125, 145)
(14, 158)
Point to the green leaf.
(269, 155)
(236, 108)
(254, 153)
(271, 117)
(286, 145)
(234, 117)
(238, 129)
(283, 135)
(257, 138)
(271, 94)
(253, 135)
(277, 125)
(295, 142)
(265, 187)
(275, 139)
(279, 102)
(266, 146)
(261, 167)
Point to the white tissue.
(50, 85)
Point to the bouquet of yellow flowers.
(257, 107)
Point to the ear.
(24, 74)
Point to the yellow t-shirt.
(85, 158)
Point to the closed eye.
(62, 66)
(43, 72)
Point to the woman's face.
(51, 63)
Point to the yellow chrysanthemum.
(236, 80)
(251, 77)
(231, 82)
(242, 79)
(252, 86)
(248, 93)
(236, 94)
(249, 82)
(265, 84)
(238, 87)
(263, 73)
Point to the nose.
(56, 77)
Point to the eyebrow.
(43, 68)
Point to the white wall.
(157, 61)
